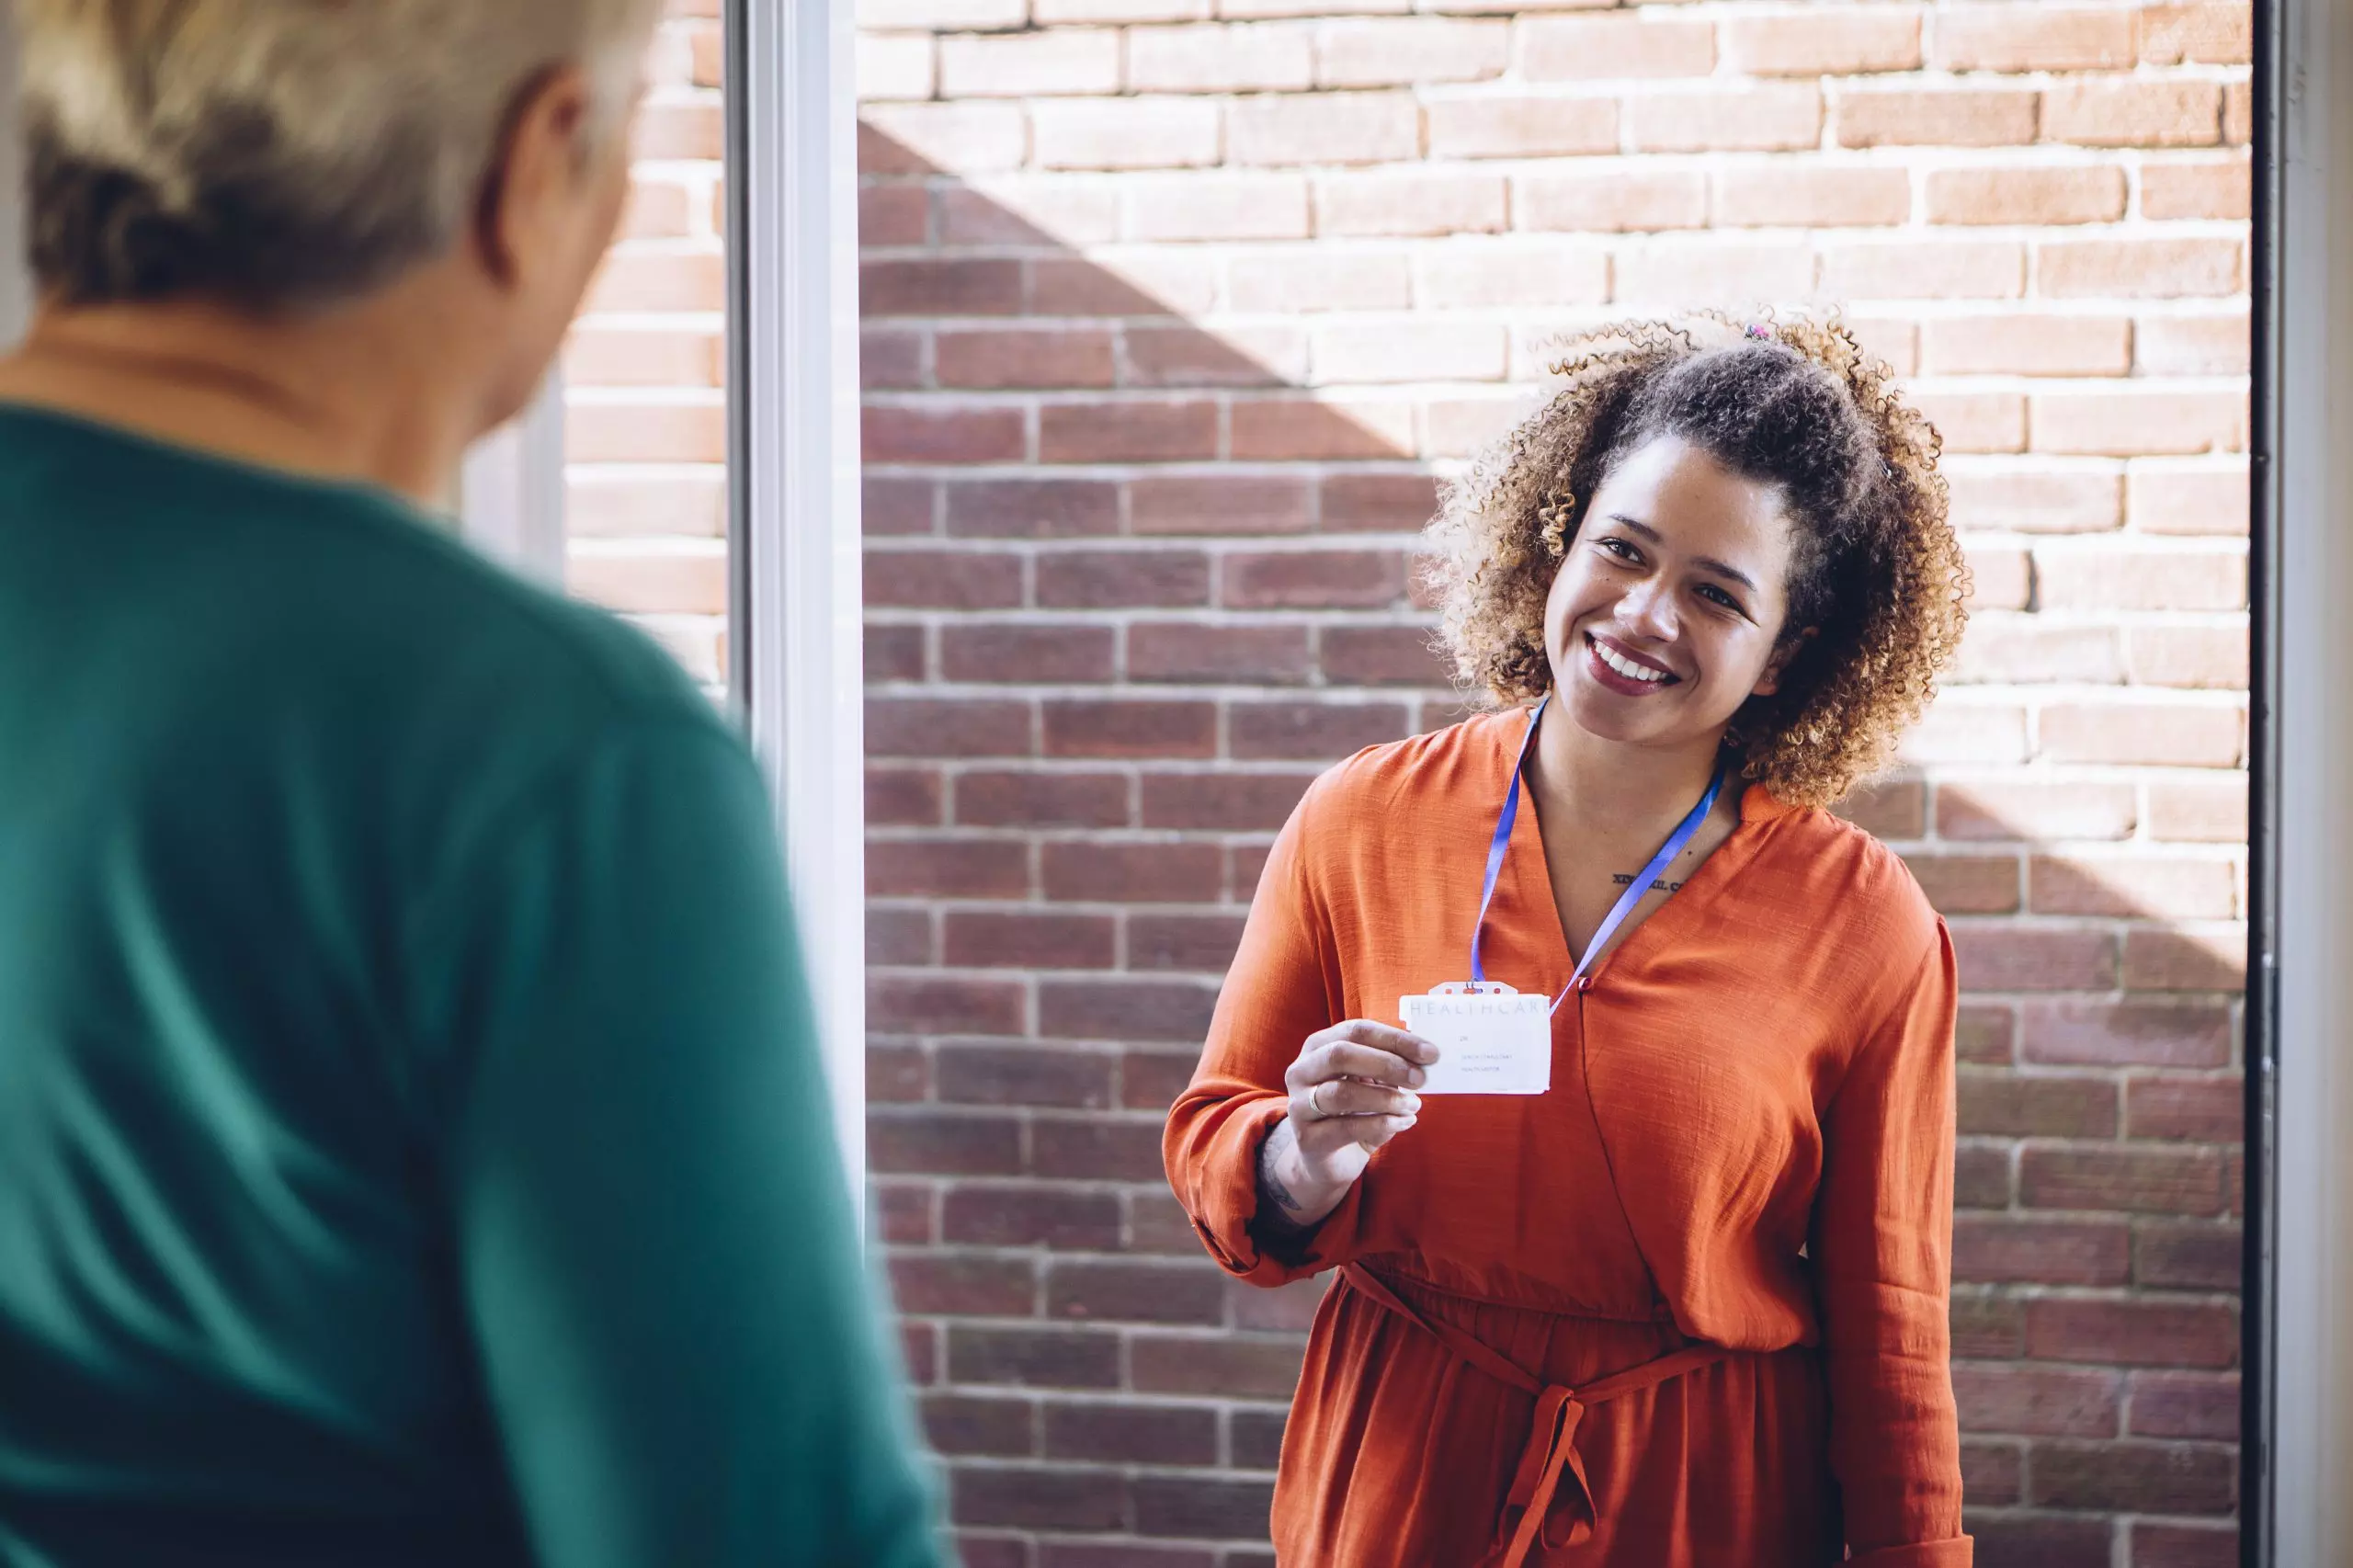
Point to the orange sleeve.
(1284, 985)
(1882, 1252)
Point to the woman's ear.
(1769, 683)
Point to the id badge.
(1490, 1038)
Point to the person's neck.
(344, 398)
(1610, 788)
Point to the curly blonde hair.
(1877, 575)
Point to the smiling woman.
(1674, 1292)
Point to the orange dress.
(1746, 1153)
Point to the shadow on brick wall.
(1130, 585)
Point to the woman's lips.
(1615, 679)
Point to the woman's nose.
(1648, 607)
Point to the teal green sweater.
(413, 1146)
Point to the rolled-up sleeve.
(1882, 1245)
(1283, 986)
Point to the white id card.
(1490, 1042)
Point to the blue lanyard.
(1677, 842)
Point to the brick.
(636, 432)
(1127, 431)
(933, 435)
(888, 360)
(941, 1004)
(1204, 943)
(2029, 345)
(919, 1143)
(1032, 508)
(2135, 1477)
(2127, 1034)
(2014, 649)
(921, 139)
(1215, 57)
(1047, 13)
(2186, 1405)
(2038, 500)
(1094, 1149)
(2167, 1545)
(1130, 728)
(962, 1423)
(2199, 810)
(1237, 357)
(1984, 1325)
(1227, 802)
(1992, 1249)
(2214, 657)
(893, 215)
(2159, 269)
(923, 726)
(1923, 116)
(1948, 270)
(896, 65)
(1028, 1497)
(903, 797)
(1311, 730)
(1099, 871)
(1887, 808)
(2203, 957)
(2189, 1255)
(1610, 197)
(1155, 132)
(947, 867)
(1980, 422)
(2238, 113)
(2131, 1333)
(1030, 64)
(652, 581)
(2142, 580)
(1028, 939)
(1298, 282)
(895, 937)
(991, 799)
(1736, 276)
(1803, 197)
(1025, 654)
(1254, 1437)
(1410, 351)
(1520, 127)
(975, 1550)
(1967, 884)
(1055, 1357)
(1228, 1367)
(903, 1210)
(1992, 1472)
(2072, 194)
(972, 1285)
(1160, 1009)
(1323, 127)
(1978, 733)
(1126, 283)
(679, 128)
(1376, 501)
(620, 504)
(1222, 206)
(1381, 656)
(1996, 957)
(1218, 652)
(2032, 37)
(2205, 34)
(1043, 356)
(1409, 202)
(1119, 1554)
(2148, 734)
(1053, 1218)
(1329, 579)
(1127, 1291)
(1028, 210)
(1771, 119)
(2177, 499)
(1981, 1176)
(2032, 1400)
(1221, 504)
(2040, 1106)
(1201, 1506)
(1841, 42)
(2194, 345)
(613, 358)
(1329, 428)
(897, 505)
(1374, 51)
(2201, 188)
(1999, 809)
(1151, 1434)
(2145, 1181)
(2041, 1540)
(2126, 112)
(1625, 44)
(2192, 1110)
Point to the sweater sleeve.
(1283, 986)
(680, 1345)
(1882, 1245)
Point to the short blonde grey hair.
(282, 154)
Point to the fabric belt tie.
(1550, 1457)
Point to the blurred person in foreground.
(413, 1145)
(1675, 1296)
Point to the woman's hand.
(1351, 1091)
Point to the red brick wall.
(1173, 307)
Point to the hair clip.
(1553, 517)
(1756, 331)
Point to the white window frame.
(2296, 1506)
(16, 282)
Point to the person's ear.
(1769, 683)
(533, 187)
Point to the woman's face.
(1667, 612)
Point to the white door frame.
(795, 548)
(2299, 1054)
(16, 282)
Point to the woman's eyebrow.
(1706, 562)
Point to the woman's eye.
(1711, 591)
(1618, 548)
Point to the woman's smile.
(1619, 669)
